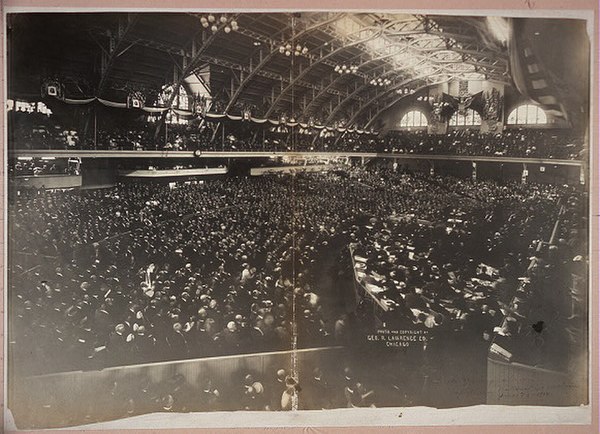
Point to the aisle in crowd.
(145, 272)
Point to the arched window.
(471, 118)
(414, 118)
(527, 114)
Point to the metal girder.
(365, 84)
(360, 74)
(186, 71)
(393, 89)
(385, 92)
(316, 62)
(264, 73)
(356, 92)
(496, 70)
(492, 75)
(471, 49)
(115, 51)
(176, 50)
(159, 46)
(366, 49)
(266, 59)
(320, 94)
(395, 101)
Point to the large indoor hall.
(306, 212)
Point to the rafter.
(396, 100)
(429, 78)
(190, 66)
(265, 59)
(316, 62)
(115, 50)
(365, 84)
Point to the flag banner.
(529, 74)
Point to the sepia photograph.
(236, 218)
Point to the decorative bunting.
(214, 116)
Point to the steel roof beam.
(115, 50)
(274, 50)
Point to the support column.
(223, 136)
(166, 133)
(95, 128)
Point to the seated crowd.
(147, 272)
(434, 271)
(39, 166)
(144, 272)
(242, 136)
(510, 143)
(37, 131)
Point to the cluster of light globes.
(287, 49)
(346, 69)
(404, 91)
(380, 81)
(212, 22)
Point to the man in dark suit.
(177, 342)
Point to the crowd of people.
(327, 386)
(545, 320)
(38, 131)
(481, 272)
(151, 272)
(240, 136)
(523, 142)
(39, 166)
(183, 272)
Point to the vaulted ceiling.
(107, 54)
